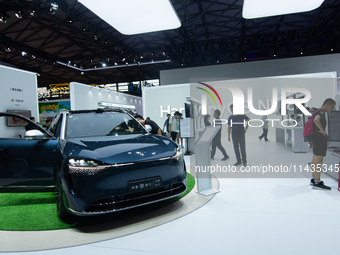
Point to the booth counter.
(331, 161)
(291, 138)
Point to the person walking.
(216, 141)
(237, 127)
(264, 129)
(166, 125)
(174, 126)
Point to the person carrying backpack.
(320, 142)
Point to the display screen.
(187, 110)
(333, 126)
(15, 122)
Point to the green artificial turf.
(38, 211)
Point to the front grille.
(118, 203)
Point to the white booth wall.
(160, 100)
(252, 69)
(18, 92)
(86, 97)
(320, 85)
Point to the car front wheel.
(63, 214)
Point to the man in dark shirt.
(320, 142)
(166, 125)
(216, 141)
(155, 128)
(47, 124)
(237, 126)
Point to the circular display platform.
(11, 241)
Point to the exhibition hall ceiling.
(50, 37)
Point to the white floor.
(248, 216)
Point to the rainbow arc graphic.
(209, 93)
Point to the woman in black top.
(206, 120)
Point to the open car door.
(26, 157)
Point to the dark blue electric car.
(98, 161)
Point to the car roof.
(99, 110)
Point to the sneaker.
(312, 182)
(244, 164)
(267, 140)
(320, 186)
(237, 163)
(225, 158)
(260, 138)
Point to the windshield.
(102, 124)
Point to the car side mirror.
(148, 128)
(34, 134)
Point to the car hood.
(120, 149)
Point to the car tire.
(63, 214)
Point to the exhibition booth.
(280, 98)
(283, 99)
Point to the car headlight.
(178, 154)
(84, 166)
(82, 162)
(89, 167)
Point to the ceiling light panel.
(253, 9)
(135, 16)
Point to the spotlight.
(8, 49)
(103, 64)
(83, 30)
(18, 15)
(34, 13)
(23, 53)
(95, 37)
(33, 57)
(54, 6)
(70, 21)
(3, 17)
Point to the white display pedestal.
(331, 160)
(203, 155)
(291, 138)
